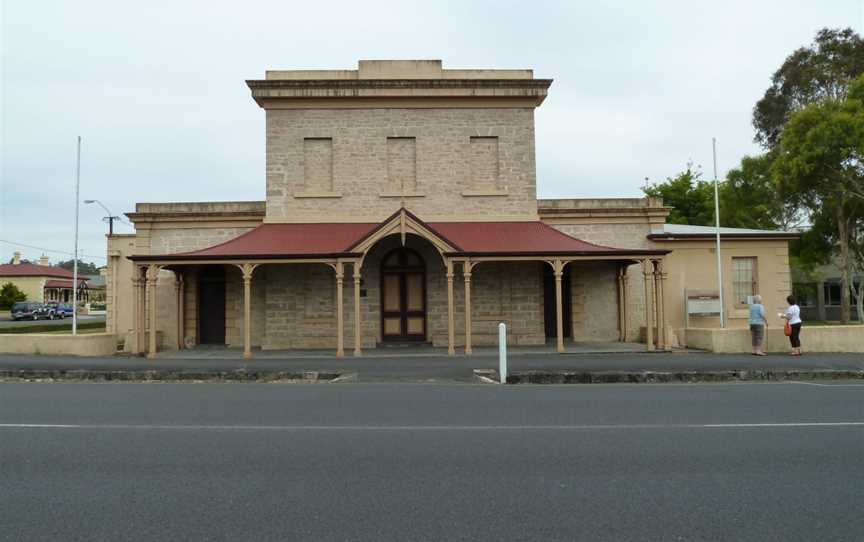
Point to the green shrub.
(9, 295)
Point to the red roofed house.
(42, 282)
(401, 206)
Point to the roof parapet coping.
(396, 69)
(201, 207)
(588, 204)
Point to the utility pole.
(109, 219)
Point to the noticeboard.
(703, 305)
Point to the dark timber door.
(211, 306)
(403, 296)
(549, 313)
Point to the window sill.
(486, 192)
(318, 195)
(397, 194)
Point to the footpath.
(540, 368)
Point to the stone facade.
(405, 137)
(454, 164)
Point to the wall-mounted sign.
(703, 305)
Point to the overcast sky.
(157, 91)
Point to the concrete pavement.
(739, 462)
(445, 368)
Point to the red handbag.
(787, 329)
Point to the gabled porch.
(403, 272)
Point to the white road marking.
(826, 385)
(431, 427)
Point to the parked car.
(61, 310)
(25, 310)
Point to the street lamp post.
(110, 218)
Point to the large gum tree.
(820, 165)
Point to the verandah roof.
(335, 240)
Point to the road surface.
(432, 462)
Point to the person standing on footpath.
(793, 316)
(758, 323)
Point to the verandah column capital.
(467, 268)
(247, 269)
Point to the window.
(833, 292)
(744, 283)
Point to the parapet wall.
(813, 339)
(90, 344)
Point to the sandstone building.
(401, 206)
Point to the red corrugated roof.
(290, 240)
(513, 238)
(33, 270)
(333, 239)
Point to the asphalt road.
(431, 462)
(6, 321)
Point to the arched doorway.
(403, 296)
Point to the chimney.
(16, 258)
(44, 261)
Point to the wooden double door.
(403, 296)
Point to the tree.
(820, 72)
(9, 295)
(749, 198)
(820, 166)
(84, 268)
(691, 198)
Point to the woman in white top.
(793, 315)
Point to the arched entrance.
(403, 296)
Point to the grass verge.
(51, 328)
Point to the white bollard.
(502, 351)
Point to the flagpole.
(717, 222)
(75, 255)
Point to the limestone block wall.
(167, 238)
(603, 287)
(509, 292)
(174, 240)
(294, 306)
(299, 307)
(440, 185)
(234, 306)
(594, 290)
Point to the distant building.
(96, 286)
(401, 206)
(819, 294)
(42, 282)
